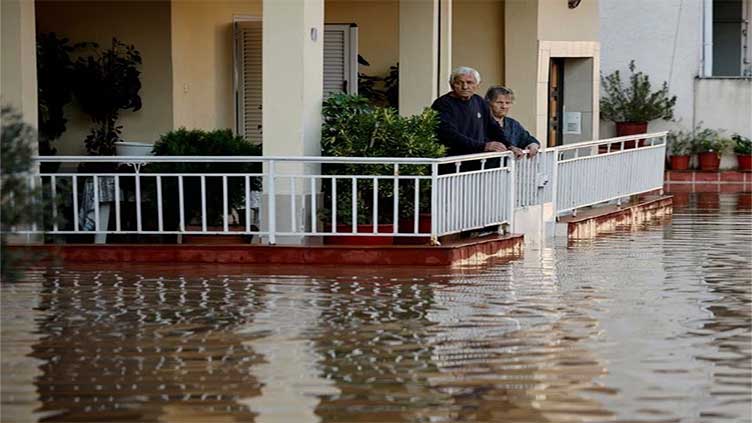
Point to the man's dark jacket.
(466, 126)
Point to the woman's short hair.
(498, 90)
(464, 70)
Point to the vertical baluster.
(395, 199)
(272, 193)
(53, 187)
(416, 201)
(334, 204)
(313, 204)
(354, 205)
(247, 189)
(225, 211)
(32, 195)
(160, 212)
(75, 203)
(293, 209)
(203, 203)
(96, 203)
(117, 203)
(181, 204)
(375, 211)
(138, 202)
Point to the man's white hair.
(464, 70)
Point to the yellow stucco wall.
(146, 24)
(478, 39)
(202, 58)
(378, 29)
(557, 22)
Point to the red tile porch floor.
(463, 252)
(677, 181)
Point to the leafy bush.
(354, 128)
(636, 102)
(742, 145)
(19, 206)
(104, 84)
(220, 142)
(680, 142)
(709, 140)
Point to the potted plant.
(220, 142)
(743, 150)
(632, 106)
(680, 148)
(104, 84)
(709, 146)
(353, 127)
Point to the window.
(248, 79)
(340, 59)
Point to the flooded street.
(643, 326)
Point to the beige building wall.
(478, 40)
(378, 29)
(18, 83)
(202, 59)
(145, 24)
(557, 22)
(521, 58)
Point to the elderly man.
(466, 124)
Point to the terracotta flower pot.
(630, 128)
(680, 162)
(709, 161)
(745, 162)
(383, 228)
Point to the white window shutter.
(340, 59)
(248, 80)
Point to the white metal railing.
(161, 203)
(533, 178)
(594, 172)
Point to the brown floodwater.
(652, 325)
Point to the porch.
(439, 218)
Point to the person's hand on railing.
(495, 146)
(532, 150)
(518, 152)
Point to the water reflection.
(650, 325)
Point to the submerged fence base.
(462, 252)
(604, 219)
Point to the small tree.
(104, 84)
(636, 102)
(19, 205)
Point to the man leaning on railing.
(466, 125)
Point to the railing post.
(434, 204)
(512, 191)
(272, 193)
(555, 183)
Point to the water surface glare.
(643, 326)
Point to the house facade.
(705, 55)
(263, 67)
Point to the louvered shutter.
(340, 59)
(248, 80)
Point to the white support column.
(293, 68)
(445, 45)
(19, 58)
(419, 53)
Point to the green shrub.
(708, 140)
(220, 142)
(352, 127)
(636, 102)
(19, 206)
(680, 142)
(742, 145)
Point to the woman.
(500, 100)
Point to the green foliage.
(354, 128)
(636, 102)
(680, 142)
(220, 142)
(104, 84)
(742, 145)
(19, 206)
(709, 140)
(54, 80)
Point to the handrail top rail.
(584, 144)
(234, 159)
